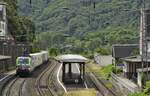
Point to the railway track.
(21, 88)
(14, 88)
(43, 81)
(100, 86)
(41, 85)
(44, 84)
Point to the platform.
(75, 79)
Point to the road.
(103, 60)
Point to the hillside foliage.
(82, 26)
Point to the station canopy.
(71, 58)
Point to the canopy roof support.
(69, 77)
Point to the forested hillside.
(18, 26)
(84, 25)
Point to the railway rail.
(21, 88)
(42, 78)
(100, 86)
(44, 84)
(43, 81)
(14, 88)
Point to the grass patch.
(109, 85)
(137, 94)
(105, 71)
(93, 68)
(86, 92)
(102, 72)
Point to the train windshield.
(23, 61)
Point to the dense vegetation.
(82, 26)
(18, 26)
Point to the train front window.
(23, 61)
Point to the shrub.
(116, 70)
(53, 51)
(35, 49)
(106, 71)
(103, 51)
(137, 94)
(147, 88)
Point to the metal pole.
(144, 41)
(147, 58)
(83, 71)
(64, 70)
(70, 70)
(143, 34)
(142, 45)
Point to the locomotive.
(26, 64)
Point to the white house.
(3, 20)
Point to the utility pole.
(142, 35)
(144, 40)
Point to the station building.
(138, 67)
(133, 69)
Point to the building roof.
(4, 57)
(71, 58)
(123, 50)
